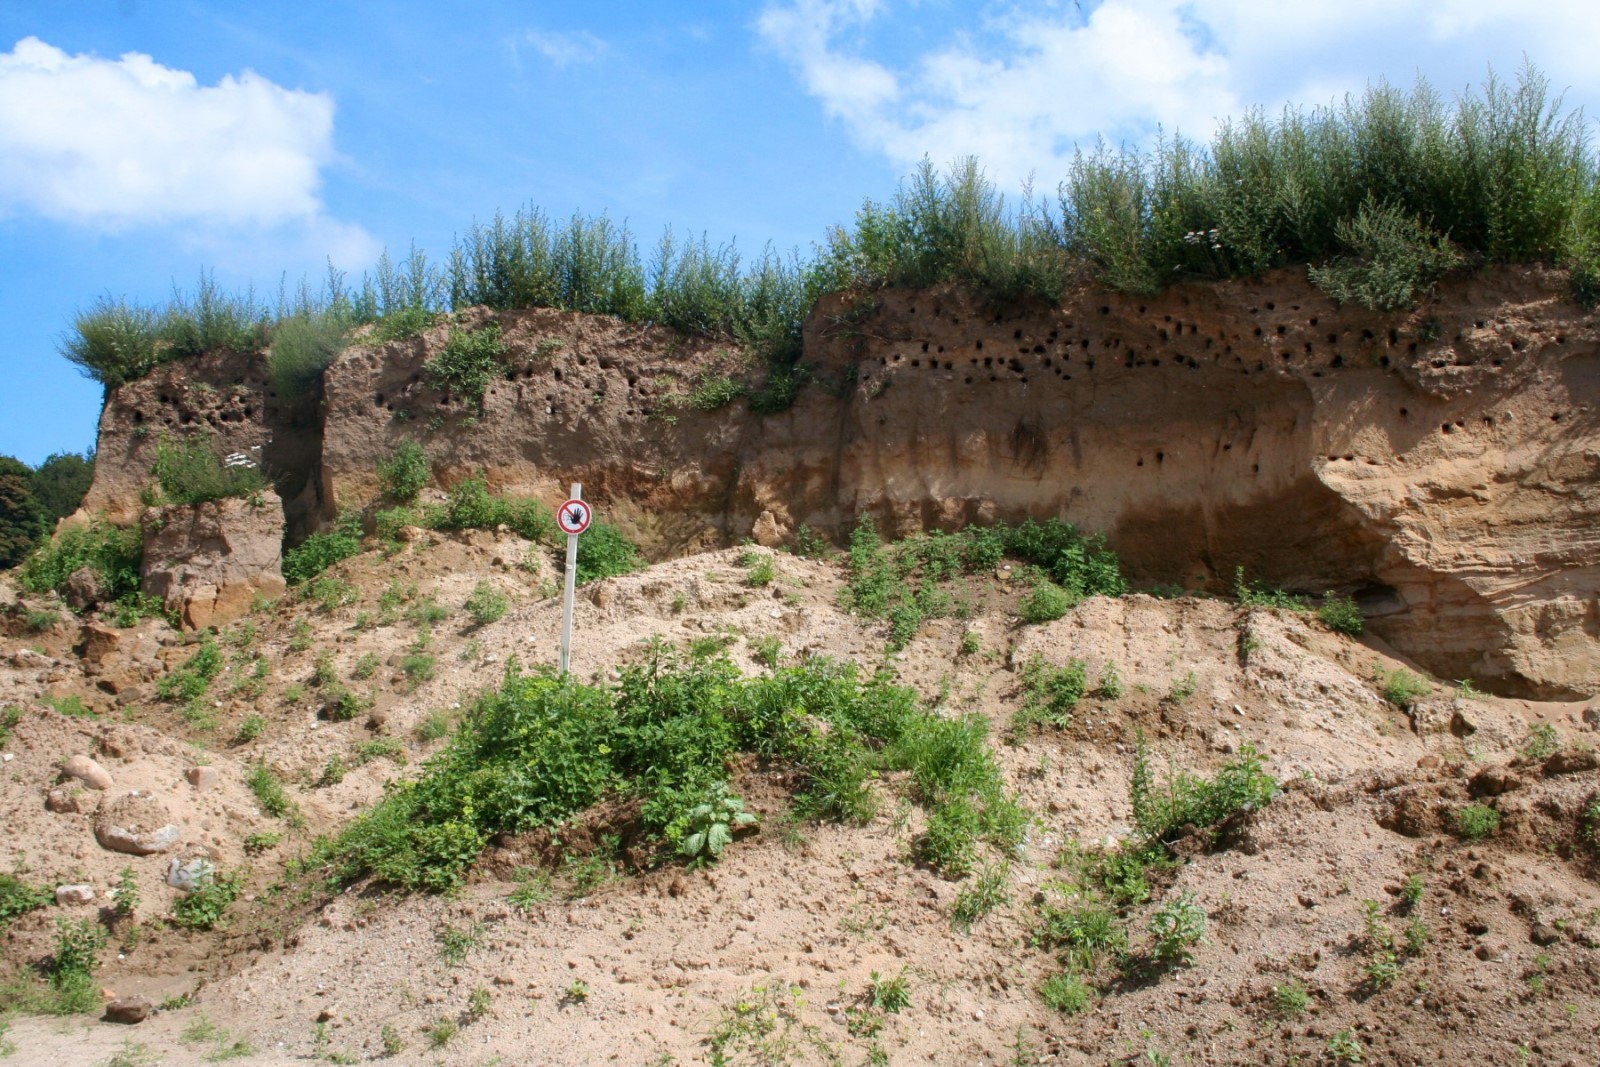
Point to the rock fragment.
(88, 772)
(128, 1010)
(135, 823)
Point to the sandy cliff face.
(1441, 464)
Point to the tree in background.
(61, 483)
(22, 521)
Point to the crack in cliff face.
(1249, 423)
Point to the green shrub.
(19, 898)
(403, 323)
(1066, 993)
(1341, 615)
(1476, 821)
(38, 621)
(486, 604)
(541, 748)
(1047, 602)
(1401, 687)
(472, 507)
(1087, 931)
(418, 667)
(1177, 926)
(202, 907)
(189, 472)
(112, 552)
(10, 715)
(1049, 694)
(604, 552)
(711, 392)
(322, 550)
(1290, 998)
(269, 791)
(191, 681)
(114, 342)
(1390, 258)
(1161, 812)
(468, 362)
(1543, 740)
(78, 945)
(303, 346)
(404, 474)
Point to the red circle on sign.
(574, 516)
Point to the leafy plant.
(892, 995)
(467, 363)
(1161, 812)
(486, 604)
(404, 474)
(202, 907)
(1290, 998)
(1066, 992)
(1110, 686)
(1259, 595)
(761, 572)
(19, 898)
(1476, 821)
(125, 895)
(1543, 740)
(10, 715)
(192, 680)
(767, 651)
(1343, 1047)
(190, 472)
(322, 550)
(1341, 615)
(71, 971)
(1047, 602)
(987, 892)
(710, 825)
(269, 791)
(1402, 687)
(1177, 927)
(1050, 694)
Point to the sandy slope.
(666, 957)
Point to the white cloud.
(114, 143)
(1021, 87)
(565, 49)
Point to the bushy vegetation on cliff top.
(1378, 197)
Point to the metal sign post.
(573, 518)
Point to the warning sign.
(573, 518)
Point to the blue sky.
(142, 142)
